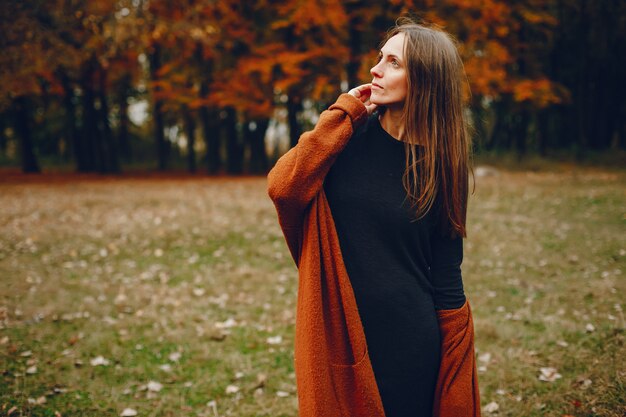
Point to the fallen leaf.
(99, 361)
(232, 389)
(492, 407)
(548, 374)
(218, 337)
(485, 357)
(583, 383)
(230, 322)
(154, 386)
(275, 340)
(128, 412)
(260, 380)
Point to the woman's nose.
(375, 71)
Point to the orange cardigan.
(334, 375)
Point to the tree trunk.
(354, 43)
(294, 106)
(208, 117)
(3, 138)
(520, 131)
(111, 162)
(23, 123)
(234, 146)
(90, 133)
(190, 132)
(163, 148)
(71, 129)
(122, 135)
(582, 82)
(500, 136)
(543, 131)
(255, 138)
(48, 143)
(480, 127)
(211, 133)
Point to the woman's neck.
(393, 122)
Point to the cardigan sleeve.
(299, 175)
(456, 392)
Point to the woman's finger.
(370, 108)
(360, 90)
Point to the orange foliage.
(540, 93)
(249, 53)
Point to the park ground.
(175, 296)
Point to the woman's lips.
(377, 86)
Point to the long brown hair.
(434, 118)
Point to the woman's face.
(389, 83)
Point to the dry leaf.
(485, 357)
(275, 340)
(492, 407)
(232, 389)
(99, 361)
(548, 374)
(230, 322)
(128, 412)
(154, 386)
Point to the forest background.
(227, 86)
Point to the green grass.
(146, 273)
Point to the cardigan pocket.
(355, 387)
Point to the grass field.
(176, 297)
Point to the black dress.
(401, 270)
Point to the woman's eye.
(395, 63)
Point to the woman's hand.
(363, 93)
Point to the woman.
(372, 203)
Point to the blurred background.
(150, 291)
(227, 86)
